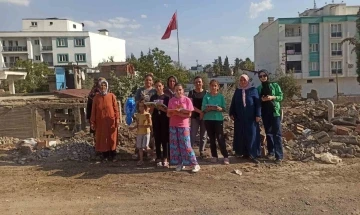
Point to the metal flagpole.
(177, 34)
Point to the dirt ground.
(122, 188)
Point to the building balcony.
(314, 73)
(15, 49)
(9, 65)
(292, 34)
(336, 71)
(47, 48)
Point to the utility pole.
(337, 85)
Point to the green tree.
(216, 67)
(355, 41)
(36, 78)
(247, 64)
(237, 63)
(124, 86)
(226, 67)
(288, 84)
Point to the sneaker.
(179, 168)
(270, 157)
(226, 161)
(278, 161)
(196, 168)
(214, 160)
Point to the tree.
(237, 63)
(247, 64)
(124, 86)
(355, 41)
(216, 67)
(288, 85)
(226, 67)
(36, 78)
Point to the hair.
(138, 104)
(149, 75)
(158, 81)
(197, 77)
(178, 85)
(214, 81)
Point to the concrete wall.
(266, 48)
(45, 25)
(19, 122)
(103, 46)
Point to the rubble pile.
(8, 140)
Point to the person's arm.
(93, 114)
(138, 95)
(222, 106)
(232, 107)
(152, 99)
(88, 108)
(257, 104)
(116, 109)
(279, 96)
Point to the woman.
(245, 111)
(170, 90)
(197, 121)
(179, 112)
(213, 106)
(105, 120)
(147, 90)
(160, 123)
(271, 95)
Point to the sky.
(207, 28)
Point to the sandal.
(166, 164)
(159, 164)
(140, 163)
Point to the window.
(51, 23)
(309, 81)
(33, 24)
(314, 29)
(336, 30)
(16, 43)
(74, 26)
(336, 49)
(3, 43)
(63, 58)
(61, 42)
(80, 57)
(79, 42)
(4, 59)
(314, 66)
(10, 43)
(37, 42)
(336, 67)
(37, 57)
(331, 80)
(314, 47)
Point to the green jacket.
(277, 92)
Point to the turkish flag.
(172, 26)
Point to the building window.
(63, 58)
(336, 67)
(314, 47)
(5, 59)
(80, 57)
(37, 57)
(37, 42)
(61, 42)
(336, 30)
(336, 49)
(74, 26)
(309, 81)
(314, 29)
(314, 66)
(331, 80)
(33, 24)
(16, 43)
(51, 23)
(79, 42)
(3, 43)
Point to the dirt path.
(122, 188)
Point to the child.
(160, 125)
(213, 105)
(143, 124)
(179, 112)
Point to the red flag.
(172, 26)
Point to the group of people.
(173, 119)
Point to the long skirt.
(181, 152)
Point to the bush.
(289, 85)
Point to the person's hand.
(218, 108)
(257, 119)
(92, 126)
(201, 115)
(271, 97)
(265, 98)
(232, 117)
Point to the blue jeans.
(272, 125)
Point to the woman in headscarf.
(245, 110)
(105, 120)
(94, 90)
(170, 90)
(271, 95)
(147, 90)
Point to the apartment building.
(309, 45)
(58, 42)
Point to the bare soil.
(123, 188)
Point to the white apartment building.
(58, 42)
(310, 46)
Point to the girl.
(271, 95)
(245, 110)
(160, 125)
(213, 105)
(143, 124)
(179, 112)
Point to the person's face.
(179, 91)
(159, 87)
(243, 82)
(198, 83)
(263, 77)
(172, 83)
(148, 81)
(141, 107)
(214, 87)
(103, 87)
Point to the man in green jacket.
(271, 96)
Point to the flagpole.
(177, 34)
